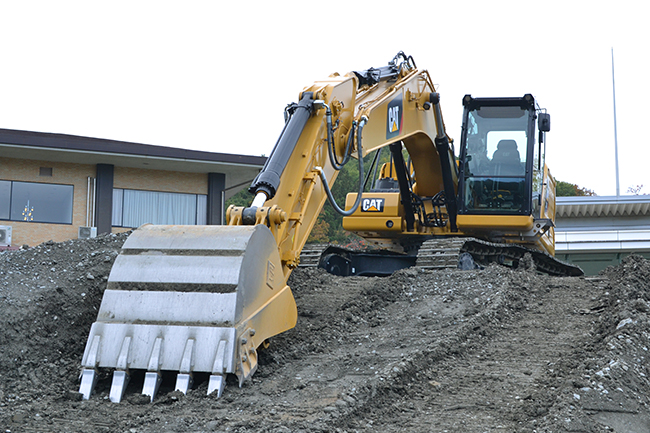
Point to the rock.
(341, 403)
(527, 263)
(139, 399)
(212, 425)
(73, 396)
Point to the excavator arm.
(344, 116)
(203, 298)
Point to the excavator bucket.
(188, 299)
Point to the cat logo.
(372, 205)
(394, 118)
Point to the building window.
(5, 199)
(132, 208)
(36, 202)
(118, 195)
(45, 171)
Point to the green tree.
(242, 198)
(320, 232)
(346, 182)
(566, 189)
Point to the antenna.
(618, 191)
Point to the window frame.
(12, 195)
(118, 194)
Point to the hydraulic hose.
(330, 140)
(373, 168)
(330, 197)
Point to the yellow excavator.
(203, 299)
(494, 204)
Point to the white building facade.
(595, 232)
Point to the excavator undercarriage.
(434, 254)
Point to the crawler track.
(310, 255)
(445, 253)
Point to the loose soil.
(493, 350)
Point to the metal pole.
(223, 207)
(93, 223)
(618, 191)
(88, 202)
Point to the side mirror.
(544, 122)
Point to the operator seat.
(506, 159)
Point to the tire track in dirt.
(500, 382)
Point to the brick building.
(53, 184)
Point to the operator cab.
(499, 159)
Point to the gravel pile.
(455, 351)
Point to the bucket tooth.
(183, 382)
(180, 298)
(152, 377)
(217, 378)
(89, 373)
(121, 376)
(88, 380)
(123, 357)
(184, 378)
(217, 383)
(118, 386)
(152, 381)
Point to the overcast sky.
(216, 76)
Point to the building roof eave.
(598, 206)
(39, 141)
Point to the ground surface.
(450, 351)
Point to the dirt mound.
(49, 294)
(488, 350)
